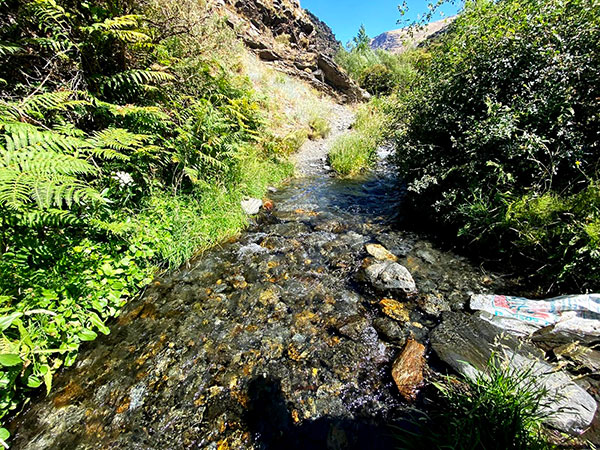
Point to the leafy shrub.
(506, 110)
(378, 80)
(378, 71)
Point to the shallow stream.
(269, 341)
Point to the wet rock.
(380, 252)
(358, 328)
(408, 368)
(466, 343)
(391, 276)
(390, 330)
(395, 310)
(252, 206)
(433, 305)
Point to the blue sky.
(346, 16)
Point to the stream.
(272, 340)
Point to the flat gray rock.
(466, 344)
(391, 276)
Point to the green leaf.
(87, 335)
(4, 434)
(10, 359)
(6, 321)
(33, 381)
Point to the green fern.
(7, 48)
(45, 177)
(136, 77)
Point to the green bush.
(506, 111)
(377, 71)
(378, 80)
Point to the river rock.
(391, 276)
(390, 330)
(251, 206)
(407, 370)
(466, 343)
(380, 252)
(395, 310)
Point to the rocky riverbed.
(285, 337)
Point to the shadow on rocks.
(270, 421)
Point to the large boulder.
(466, 343)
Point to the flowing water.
(270, 341)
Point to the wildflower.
(577, 163)
(123, 178)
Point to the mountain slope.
(397, 41)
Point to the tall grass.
(500, 408)
(354, 152)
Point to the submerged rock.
(467, 343)
(407, 370)
(380, 252)
(395, 310)
(391, 276)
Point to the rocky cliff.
(397, 41)
(282, 33)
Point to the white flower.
(123, 178)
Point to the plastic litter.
(575, 314)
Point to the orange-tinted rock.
(395, 310)
(380, 252)
(268, 205)
(407, 370)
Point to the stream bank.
(270, 340)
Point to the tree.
(362, 41)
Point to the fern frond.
(119, 23)
(137, 77)
(45, 177)
(7, 48)
(52, 217)
(117, 139)
(49, 14)
(22, 136)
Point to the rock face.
(397, 41)
(407, 370)
(389, 276)
(294, 40)
(466, 343)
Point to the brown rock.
(407, 370)
(380, 252)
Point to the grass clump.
(319, 128)
(355, 152)
(352, 153)
(498, 408)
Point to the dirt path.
(312, 157)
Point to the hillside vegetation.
(500, 137)
(129, 134)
